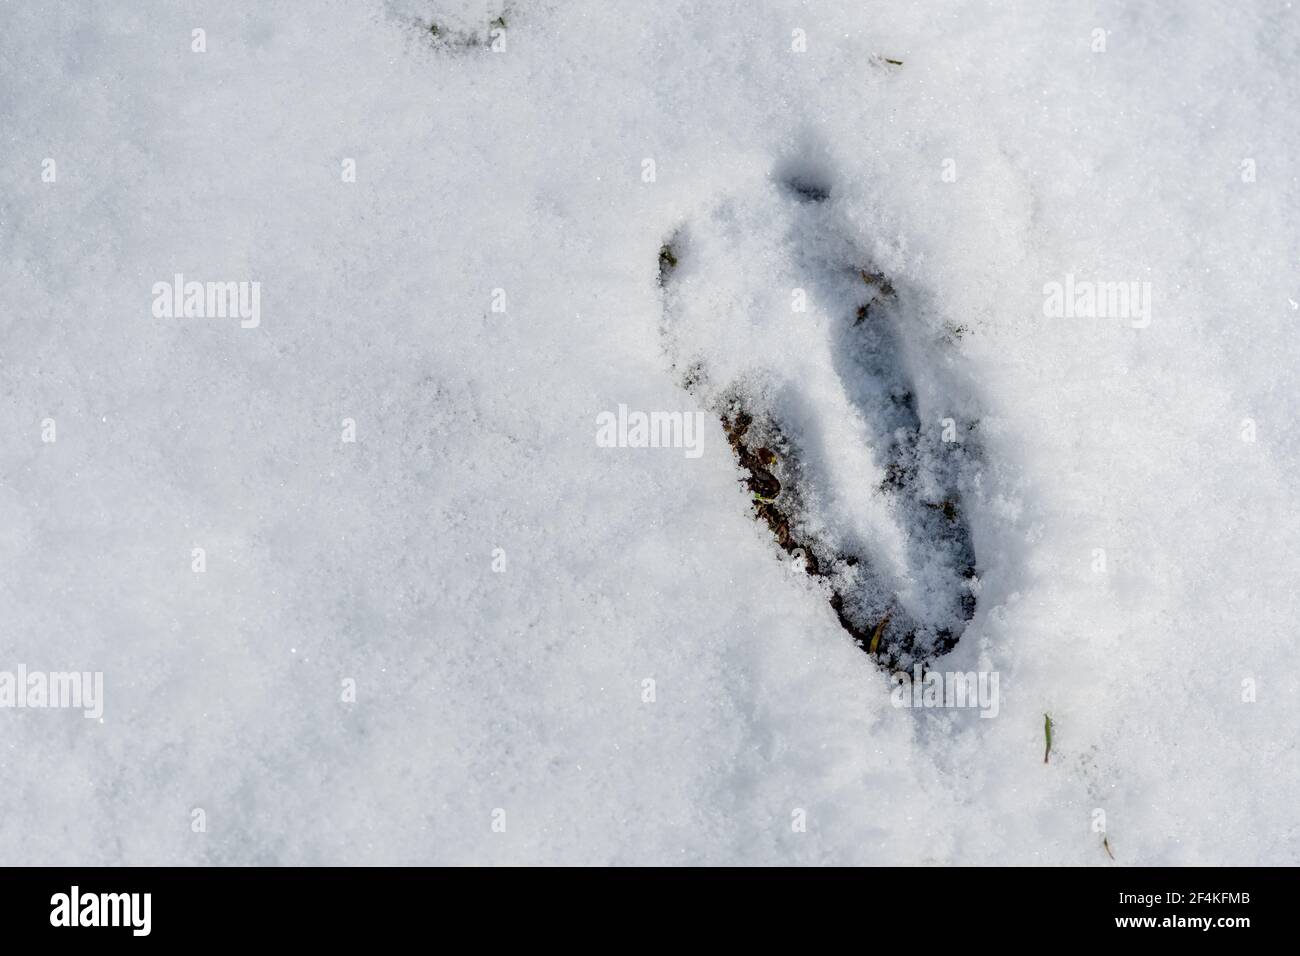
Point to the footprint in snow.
(775, 318)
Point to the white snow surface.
(522, 170)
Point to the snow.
(523, 689)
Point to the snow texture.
(498, 588)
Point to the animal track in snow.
(775, 318)
(456, 30)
